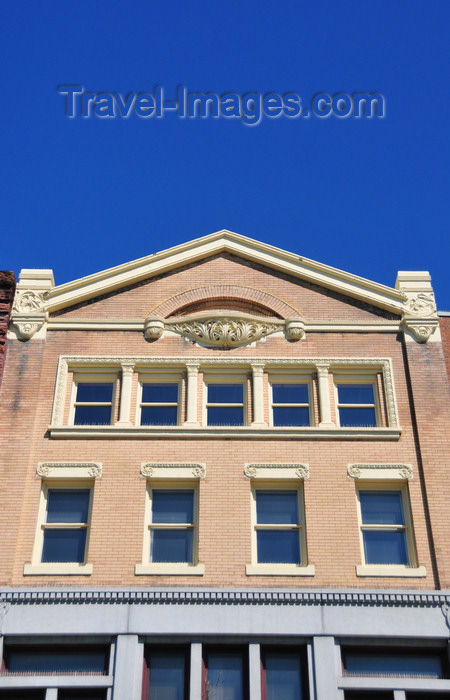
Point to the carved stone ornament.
(28, 313)
(300, 471)
(69, 470)
(28, 302)
(173, 469)
(420, 304)
(356, 471)
(421, 329)
(232, 330)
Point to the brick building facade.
(227, 482)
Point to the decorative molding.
(380, 471)
(69, 470)
(420, 329)
(29, 313)
(276, 471)
(173, 470)
(421, 304)
(223, 331)
(28, 302)
(221, 242)
(205, 596)
(314, 364)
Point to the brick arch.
(225, 295)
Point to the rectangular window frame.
(290, 378)
(159, 378)
(147, 567)
(410, 569)
(289, 569)
(358, 377)
(242, 649)
(224, 377)
(170, 649)
(300, 651)
(37, 567)
(96, 376)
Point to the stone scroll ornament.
(223, 331)
(28, 313)
(420, 315)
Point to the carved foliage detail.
(225, 332)
(420, 304)
(28, 302)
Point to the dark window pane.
(385, 547)
(68, 506)
(94, 392)
(283, 676)
(225, 393)
(357, 418)
(290, 393)
(167, 675)
(278, 547)
(280, 507)
(225, 676)
(81, 694)
(155, 392)
(225, 416)
(52, 660)
(172, 506)
(355, 393)
(92, 415)
(171, 545)
(381, 507)
(159, 415)
(64, 546)
(290, 415)
(393, 664)
(25, 694)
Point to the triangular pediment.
(165, 261)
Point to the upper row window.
(227, 402)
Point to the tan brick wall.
(224, 544)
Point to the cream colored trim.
(169, 569)
(36, 565)
(391, 570)
(264, 569)
(147, 567)
(224, 241)
(137, 325)
(69, 470)
(279, 570)
(218, 433)
(276, 471)
(402, 488)
(380, 471)
(220, 366)
(173, 470)
(69, 569)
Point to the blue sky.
(370, 196)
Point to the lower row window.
(226, 673)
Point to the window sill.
(391, 570)
(59, 569)
(279, 570)
(208, 432)
(169, 569)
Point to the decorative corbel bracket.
(223, 331)
(29, 313)
(419, 318)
